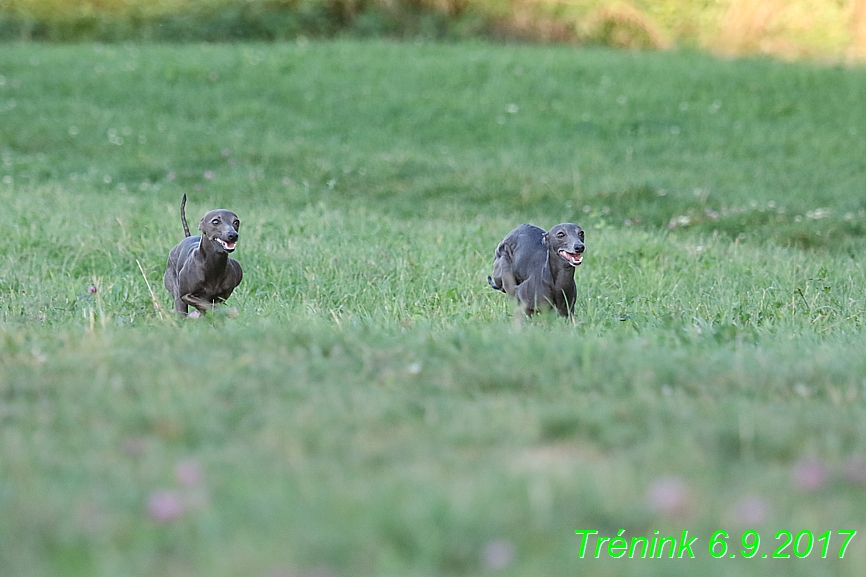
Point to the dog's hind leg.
(503, 270)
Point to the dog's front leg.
(202, 305)
(180, 307)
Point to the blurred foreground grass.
(374, 408)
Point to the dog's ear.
(544, 238)
(201, 224)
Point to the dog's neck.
(215, 259)
(561, 273)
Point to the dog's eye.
(237, 224)
(560, 234)
(215, 221)
(580, 236)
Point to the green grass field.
(374, 408)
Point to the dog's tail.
(183, 215)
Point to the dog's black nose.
(233, 236)
(578, 248)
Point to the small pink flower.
(91, 289)
(165, 506)
(290, 572)
(226, 152)
(188, 473)
(669, 495)
(90, 517)
(854, 470)
(498, 554)
(134, 446)
(810, 475)
(751, 510)
(287, 181)
(208, 174)
(194, 314)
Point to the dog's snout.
(233, 236)
(578, 248)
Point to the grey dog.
(199, 272)
(537, 267)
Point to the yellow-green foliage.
(66, 9)
(69, 9)
(788, 28)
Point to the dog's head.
(566, 240)
(221, 228)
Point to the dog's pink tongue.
(230, 245)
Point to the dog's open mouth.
(573, 258)
(229, 246)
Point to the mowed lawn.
(373, 407)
